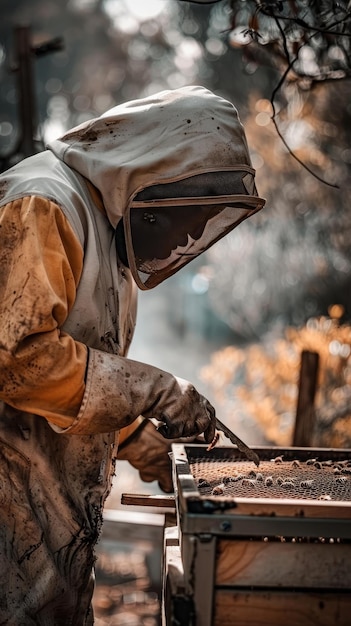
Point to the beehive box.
(260, 546)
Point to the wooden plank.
(142, 499)
(278, 608)
(305, 414)
(289, 565)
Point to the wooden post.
(27, 103)
(305, 415)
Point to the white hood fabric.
(163, 139)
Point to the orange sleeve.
(42, 369)
(126, 432)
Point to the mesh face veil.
(169, 225)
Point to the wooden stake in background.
(305, 414)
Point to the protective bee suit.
(120, 202)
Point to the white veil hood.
(163, 138)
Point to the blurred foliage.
(114, 50)
(109, 55)
(307, 41)
(261, 381)
(291, 261)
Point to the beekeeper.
(121, 202)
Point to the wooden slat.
(141, 499)
(275, 564)
(280, 608)
(305, 414)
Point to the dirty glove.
(118, 390)
(182, 411)
(148, 452)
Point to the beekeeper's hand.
(118, 390)
(148, 452)
(182, 411)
